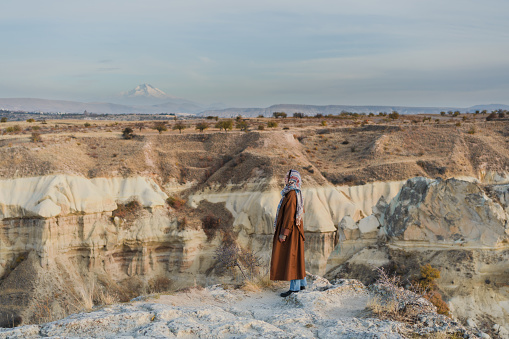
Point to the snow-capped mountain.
(147, 91)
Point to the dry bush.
(159, 284)
(427, 286)
(36, 137)
(127, 211)
(392, 301)
(210, 225)
(176, 202)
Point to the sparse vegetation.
(242, 125)
(127, 133)
(202, 126)
(271, 124)
(36, 137)
(127, 211)
(160, 126)
(176, 202)
(225, 124)
(211, 225)
(179, 126)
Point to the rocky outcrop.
(457, 226)
(62, 227)
(324, 310)
(60, 195)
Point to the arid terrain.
(92, 214)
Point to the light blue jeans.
(296, 284)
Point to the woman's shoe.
(287, 293)
(302, 288)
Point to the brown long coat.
(288, 257)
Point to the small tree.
(394, 115)
(180, 126)
(160, 127)
(242, 125)
(36, 137)
(127, 133)
(202, 126)
(298, 115)
(492, 116)
(442, 113)
(140, 126)
(225, 124)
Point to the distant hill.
(489, 108)
(336, 109)
(43, 105)
(162, 103)
(329, 109)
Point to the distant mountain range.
(150, 100)
(336, 109)
(143, 99)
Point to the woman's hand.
(282, 238)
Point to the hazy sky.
(258, 53)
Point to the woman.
(288, 245)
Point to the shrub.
(225, 124)
(127, 211)
(30, 120)
(127, 133)
(202, 126)
(471, 130)
(4, 119)
(427, 285)
(271, 124)
(394, 115)
(210, 225)
(298, 115)
(180, 126)
(323, 123)
(36, 137)
(159, 284)
(492, 116)
(261, 127)
(87, 124)
(36, 128)
(242, 125)
(176, 202)
(160, 127)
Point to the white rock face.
(325, 207)
(55, 195)
(446, 212)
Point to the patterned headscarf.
(293, 183)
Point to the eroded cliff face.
(460, 227)
(58, 236)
